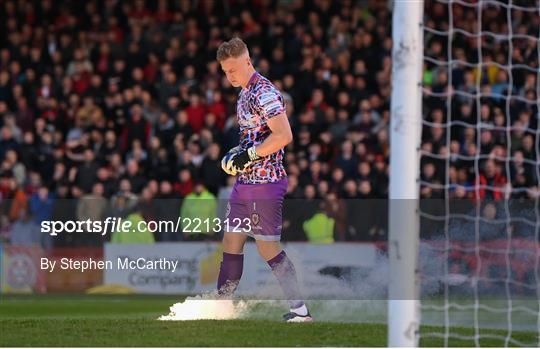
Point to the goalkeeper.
(262, 182)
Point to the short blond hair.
(233, 48)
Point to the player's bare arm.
(281, 136)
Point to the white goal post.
(464, 251)
(405, 125)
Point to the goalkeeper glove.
(244, 159)
(226, 162)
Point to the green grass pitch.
(66, 320)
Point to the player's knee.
(268, 249)
(233, 243)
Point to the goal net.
(479, 173)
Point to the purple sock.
(285, 273)
(230, 273)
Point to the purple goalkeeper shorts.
(256, 210)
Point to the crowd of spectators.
(123, 103)
(493, 110)
(480, 135)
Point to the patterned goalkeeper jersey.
(259, 101)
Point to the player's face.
(236, 69)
